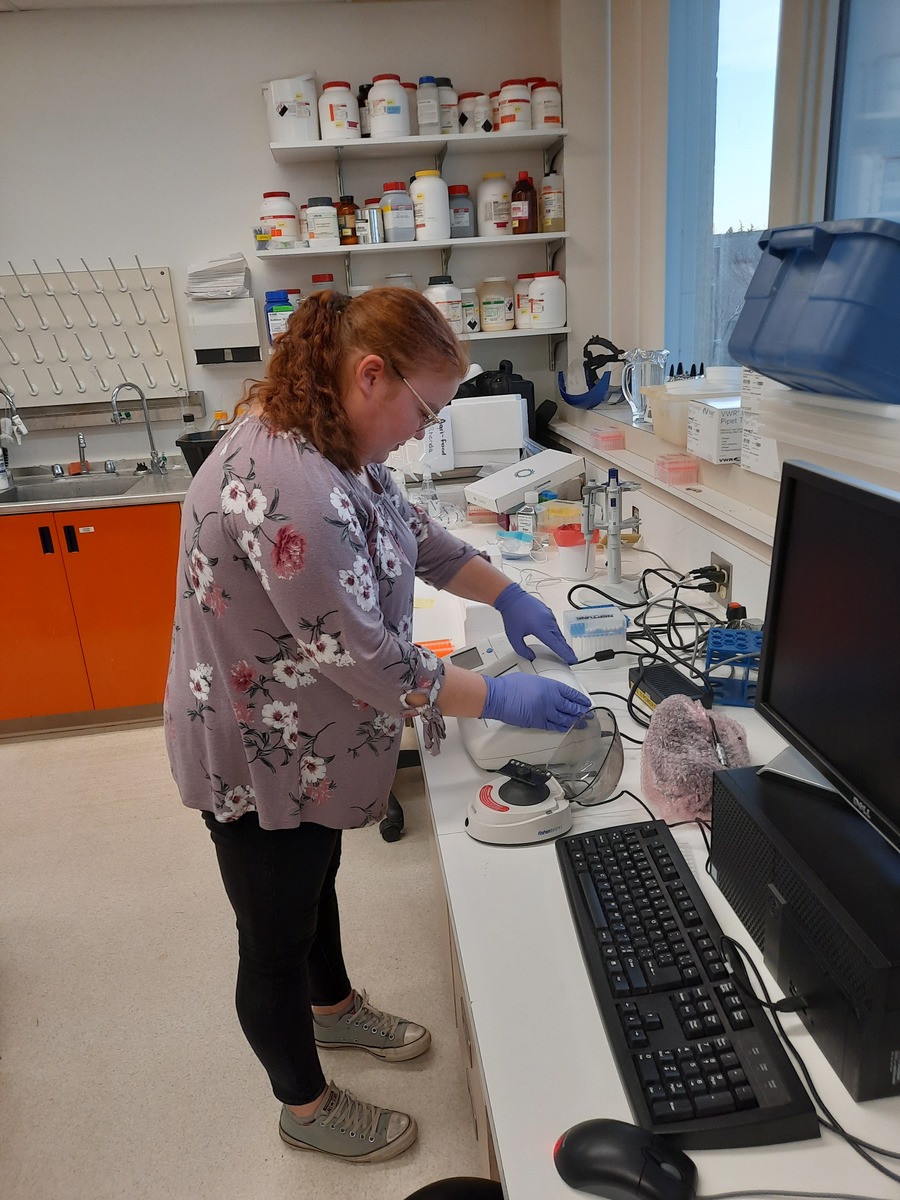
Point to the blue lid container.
(822, 312)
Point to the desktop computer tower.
(818, 890)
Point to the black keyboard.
(700, 1065)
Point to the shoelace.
(353, 1116)
(377, 1020)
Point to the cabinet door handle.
(46, 539)
(71, 539)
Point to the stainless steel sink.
(75, 487)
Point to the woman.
(293, 667)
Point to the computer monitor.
(829, 678)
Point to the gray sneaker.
(367, 1028)
(350, 1129)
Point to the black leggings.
(281, 886)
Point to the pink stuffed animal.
(679, 756)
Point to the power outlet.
(723, 591)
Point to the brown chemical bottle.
(346, 215)
(523, 205)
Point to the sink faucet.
(82, 454)
(157, 460)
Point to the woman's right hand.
(533, 702)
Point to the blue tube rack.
(738, 686)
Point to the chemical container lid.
(323, 278)
(279, 295)
(470, 95)
(495, 279)
(526, 275)
(525, 175)
(266, 195)
(321, 202)
(396, 186)
(458, 189)
(494, 175)
(347, 200)
(493, 94)
(188, 418)
(373, 200)
(513, 83)
(436, 280)
(544, 274)
(409, 85)
(534, 80)
(545, 83)
(442, 81)
(376, 78)
(420, 174)
(341, 83)
(426, 79)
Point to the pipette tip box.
(589, 630)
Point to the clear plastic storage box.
(822, 311)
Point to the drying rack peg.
(67, 321)
(141, 319)
(38, 357)
(103, 383)
(116, 319)
(151, 382)
(43, 324)
(123, 286)
(157, 349)
(163, 315)
(172, 374)
(110, 353)
(13, 357)
(63, 354)
(73, 288)
(79, 385)
(98, 287)
(20, 328)
(47, 288)
(22, 288)
(84, 350)
(92, 320)
(132, 348)
(146, 286)
(57, 389)
(34, 391)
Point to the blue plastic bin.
(822, 312)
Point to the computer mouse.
(623, 1162)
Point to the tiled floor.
(123, 1072)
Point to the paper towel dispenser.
(224, 331)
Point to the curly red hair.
(304, 381)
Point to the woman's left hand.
(524, 614)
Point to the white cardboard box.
(505, 489)
(714, 429)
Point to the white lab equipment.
(505, 489)
(612, 523)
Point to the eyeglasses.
(430, 418)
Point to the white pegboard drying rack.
(68, 337)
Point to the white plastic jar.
(388, 108)
(397, 213)
(322, 223)
(494, 99)
(338, 112)
(546, 105)
(448, 103)
(323, 282)
(280, 216)
(493, 206)
(431, 207)
(474, 113)
(447, 298)
(523, 305)
(547, 298)
(514, 106)
(496, 304)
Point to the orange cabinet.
(88, 607)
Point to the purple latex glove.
(533, 702)
(523, 614)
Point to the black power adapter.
(657, 681)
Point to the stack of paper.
(219, 279)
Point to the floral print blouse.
(292, 661)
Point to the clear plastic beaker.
(643, 369)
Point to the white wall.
(143, 131)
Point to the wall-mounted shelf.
(415, 147)
(516, 333)
(472, 243)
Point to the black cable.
(832, 1124)
(799, 1195)
(625, 792)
